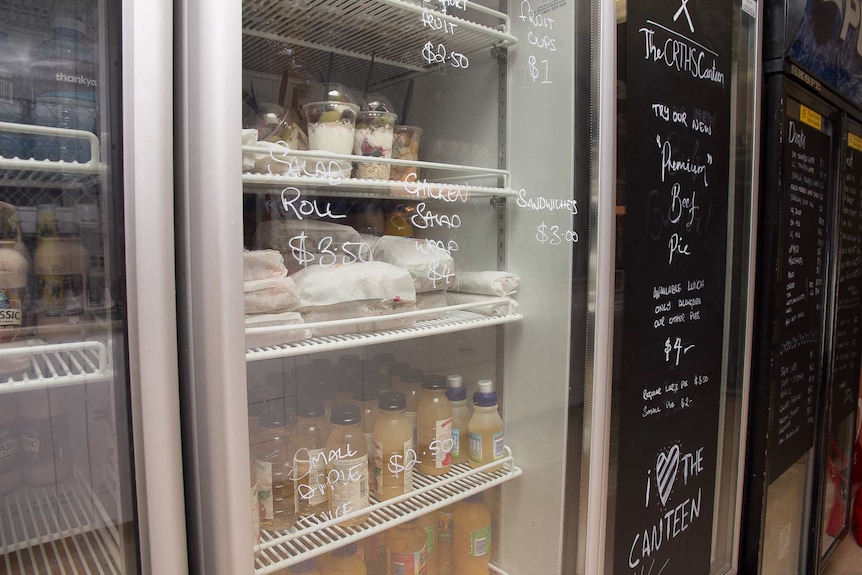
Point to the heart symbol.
(666, 469)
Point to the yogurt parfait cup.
(373, 137)
(405, 146)
(330, 129)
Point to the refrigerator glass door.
(66, 472)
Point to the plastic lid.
(435, 382)
(303, 567)
(346, 551)
(456, 394)
(310, 407)
(366, 393)
(412, 376)
(454, 381)
(377, 102)
(345, 414)
(392, 401)
(486, 396)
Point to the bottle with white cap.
(487, 436)
(457, 395)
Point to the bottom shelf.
(315, 536)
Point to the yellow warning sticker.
(854, 141)
(810, 117)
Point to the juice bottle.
(352, 366)
(405, 550)
(457, 396)
(487, 437)
(373, 554)
(45, 443)
(275, 474)
(393, 448)
(434, 427)
(343, 383)
(347, 464)
(305, 568)
(309, 460)
(365, 397)
(317, 376)
(428, 524)
(471, 536)
(411, 387)
(395, 371)
(255, 507)
(445, 558)
(343, 561)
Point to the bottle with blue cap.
(487, 436)
(457, 395)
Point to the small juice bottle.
(345, 384)
(352, 366)
(393, 448)
(309, 460)
(395, 371)
(445, 559)
(405, 550)
(347, 464)
(487, 437)
(428, 524)
(343, 561)
(434, 427)
(471, 536)
(457, 396)
(373, 554)
(275, 474)
(411, 387)
(305, 568)
(365, 397)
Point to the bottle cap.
(346, 383)
(392, 401)
(486, 396)
(435, 382)
(310, 407)
(454, 381)
(366, 393)
(274, 416)
(303, 567)
(345, 414)
(347, 551)
(398, 368)
(456, 394)
(385, 358)
(412, 376)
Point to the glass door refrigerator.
(74, 496)
(387, 219)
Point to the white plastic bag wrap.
(430, 266)
(306, 243)
(249, 138)
(495, 309)
(492, 283)
(272, 295)
(355, 290)
(262, 265)
(278, 159)
(274, 338)
(431, 301)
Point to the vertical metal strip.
(597, 410)
(147, 53)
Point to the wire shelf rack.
(55, 365)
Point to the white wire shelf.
(310, 169)
(57, 529)
(313, 39)
(459, 318)
(56, 365)
(317, 535)
(31, 173)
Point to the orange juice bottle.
(393, 448)
(343, 561)
(471, 536)
(405, 550)
(347, 464)
(275, 473)
(372, 551)
(434, 427)
(457, 396)
(365, 397)
(487, 437)
(309, 460)
(411, 387)
(428, 524)
(445, 559)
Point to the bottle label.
(10, 310)
(407, 563)
(444, 526)
(499, 442)
(8, 450)
(46, 441)
(430, 537)
(310, 478)
(61, 295)
(264, 490)
(411, 418)
(443, 438)
(255, 515)
(349, 481)
(476, 447)
(397, 467)
(480, 541)
(456, 442)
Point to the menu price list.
(678, 142)
(801, 275)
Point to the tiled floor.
(847, 559)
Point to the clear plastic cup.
(405, 146)
(373, 138)
(330, 129)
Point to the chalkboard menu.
(846, 338)
(798, 313)
(678, 145)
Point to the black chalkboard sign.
(799, 300)
(846, 340)
(678, 58)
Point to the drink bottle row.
(362, 429)
(454, 540)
